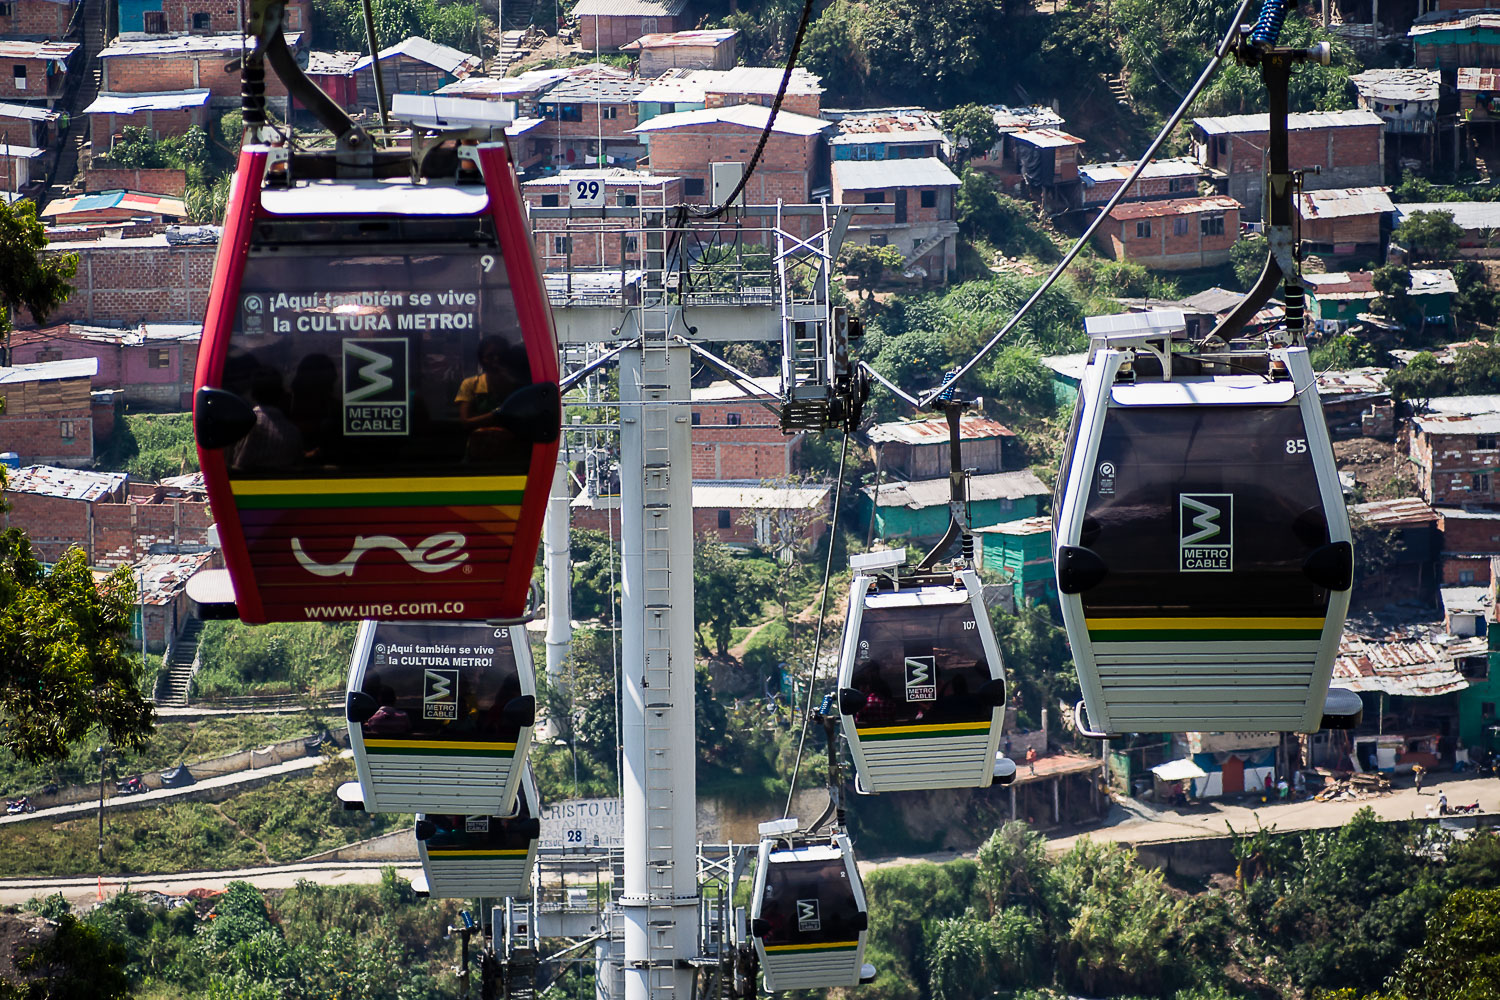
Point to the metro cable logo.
(377, 387)
(439, 694)
(433, 554)
(807, 915)
(921, 678)
(1205, 523)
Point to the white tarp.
(1178, 770)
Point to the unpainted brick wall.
(104, 129)
(150, 73)
(1452, 469)
(124, 284)
(37, 86)
(160, 180)
(785, 169)
(37, 19)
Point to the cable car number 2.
(586, 192)
(1296, 446)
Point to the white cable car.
(1203, 552)
(440, 715)
(921, 683)
(464, 856)
(808, 917)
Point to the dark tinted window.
(808, 902)
(920, 664)
(1210, 511)
(356, 355)
(495, 833)
(427, 687)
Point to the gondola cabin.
(808, 917)
(377, 409)
(466, 856)
(1203, 551)
(921, 684)
(440, 716)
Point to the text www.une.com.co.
(343, 611)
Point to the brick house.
(55, 506)
(1042, 158)
(113, 206)
(1457, 458)
(158, 279)
(1343, 223)
(525, 88)
(609, 24)
(758, 85)
(175, 63)
(1411, 573)
(1471, 538)
(1176, 235)
(742, 514)
(588, 117)
(1174, 177)
(918, 449)
(99, 175)
(1348, 147)
(708, 48)
(412, 66)
(35, 71)
(21, 169)
(161, 115)
(1407, 101)
(922, 192)
(27, 124)
(734, 437)
(610, 242)
(685, 143)
(213, 17)
(35, 19)
(152, 364)
(894, 134)
(48, 415)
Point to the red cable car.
(377, 404)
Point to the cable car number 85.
(587, 192)
(1296, 446)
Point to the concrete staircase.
(184, 662)
(85, 80)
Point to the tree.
(1476, 301)
(1393, 282)
(973, 126)
(27, 278)
(726, 593)
(867, 264)
(64, 664)
(1248, 256)
(1429, 235)
(1422, 379)
(1022, 381)
(1343, 352)
(1460, 959)
(76, 962)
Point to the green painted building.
(1067, 374)
(1020, 552)
(1478, 703)
(1340, 296)
(919, 510)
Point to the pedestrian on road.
(1442, 803)
(1417, 771)
(1031, 759)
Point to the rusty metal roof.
(971, 427)
(1345, 203)
(1457, 423)
(1414, 667)
(163, 577)
(69, 484)
(1355, 382)
(1406, 512)
(676, 39)
(1173, 206)
(1478, 78)
(1045, 138)
(12, 49)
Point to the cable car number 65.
(1296, 446)
(586, 192)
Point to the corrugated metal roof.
(1469, 215)
(1213, 301)
(751, 116)
(1068, 365)
(1465, 404)
(1418, 668)
(762, 80)
(629, 8)
(1173, 206)
(129, 104)
(1357, 382)
(450, 61)
(12, 49)
(916, 171)
(1397, 84)
(1332, 285)
(1465, 600)
(612, 176)
(913, 126)
(1010, 118)
(924, 493)
(163, 577)
(1236, 124)
(1478, 78)
(49, 371)
(174, 45)
(1343, 203)
(726, 391)
(1433, 282)
(129, 201)
(1045, 138)
(679, 39)
(1457, 514)
(594, 90)
(29, 112)
(1479, 423)
(1402, 512)
(332, 63)
(971, 427)
(672, 90)
(1025, 526)
(20, 152)
(1175, 166)
(1441, 21)
(505, 86)
(69, 484)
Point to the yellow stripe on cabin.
(436, 484)
(1203, 624)
(945, 727)
(824, 946)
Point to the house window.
(159, 357)
(630, 244)
(570, 112)
(862, 152)
(1475, 668)
(724, 521)
(68, 429)
(4, 10)
(628, 200)
(1180, 226)
(550, 200)
(874, 197)
(1143, 229)
(692, 187)
(155, 21)
(1466, 576)
(697, 418)
(202, 21)
(1480, 482)
(1211, 225)
(878, 239)
(20, 75)
(562, 244)
(1484, 442)
(732, 419)
(929, 199)
(668, 107)
(1174, 183)
(608, 112)
(1223, 145)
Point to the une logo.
(433, 554)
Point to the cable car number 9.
(1296, 446)
(587, 192)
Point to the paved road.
(82, 891)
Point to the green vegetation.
(727, 591)
(1429, 235)
(340, 24)
(868, 264)
(582, 760)
(1475, 371)
(29, 280)
(288, 657)
(151, 446)
(278, 823)
(207, 163)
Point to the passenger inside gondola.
(472, 702)
(920, 664)
(808, 902)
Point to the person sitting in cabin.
(274, 443)
(388, 720)
(481, 398)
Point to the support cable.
(812, 672)
(1225, 48)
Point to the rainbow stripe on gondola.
(1205, 629)
(505, 492)
(924, 731)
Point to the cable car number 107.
(1296, 446)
